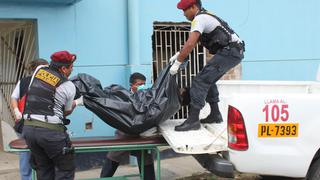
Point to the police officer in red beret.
(49, 100)
(216, 35)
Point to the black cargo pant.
(204, 86)
(48, 159)
(119, 156)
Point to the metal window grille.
(17, 48)
(168, 38)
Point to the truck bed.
(211, 138)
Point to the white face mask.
(141, 87)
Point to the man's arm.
(14, 101)
(65, 94)
(75, 103)
(185, 51)
(17, 113)
(189, 45)
(66, 113)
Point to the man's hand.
(79, 101)
(174, 58)
(17, 114)
(174, 68)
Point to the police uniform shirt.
(204, 23)
(64, 96)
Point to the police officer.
(49, 99)
(220, 40)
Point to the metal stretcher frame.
(122, 144)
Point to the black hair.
(135, 76)
(199, 4)
(35, 63)
(57, 65)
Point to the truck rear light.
(237, 135)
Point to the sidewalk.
(173, 168)
(9, 166)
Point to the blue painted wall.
(281, 36)
(112, 38)
(90, 29)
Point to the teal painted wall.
(93, 31)
(112, 38)
(101, 44)
(281, 36)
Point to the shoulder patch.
(193, 23)
(47, 77)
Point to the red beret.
(63, 57)
(185, 4)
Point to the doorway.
(18, 46)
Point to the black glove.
(66, 121)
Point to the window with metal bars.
(167, 39)
(17, 48)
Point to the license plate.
(278, 130)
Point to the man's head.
(31, 67)
(136, 80)
(63, 62)
(190, 8)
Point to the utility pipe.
(133, 33)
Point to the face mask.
(141, 87)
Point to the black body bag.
(129, 112)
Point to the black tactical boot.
(192, 122)
(109, 168)
(214, 116)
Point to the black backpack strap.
(24, 85)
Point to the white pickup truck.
(271, 128)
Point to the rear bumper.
(216, 164)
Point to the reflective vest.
(41, 94)
(219, 38)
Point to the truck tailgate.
(211, 138)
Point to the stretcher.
(107, 144)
